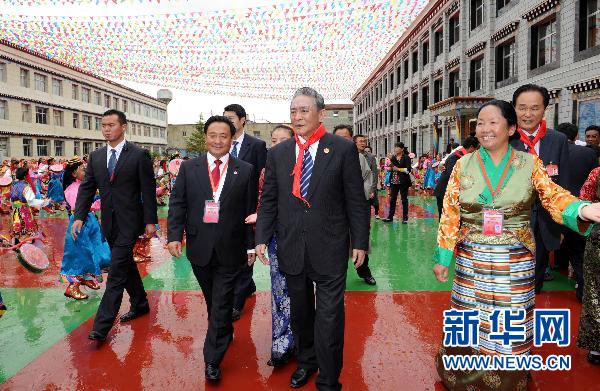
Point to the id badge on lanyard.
(493, 222)
(211, 212)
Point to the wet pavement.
(392, 330)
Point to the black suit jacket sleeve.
(267, 214)
(87, 191)
(564, 175)
(250, 209)
(261, 155)
(148, 187)
(356, 204)
(177, 207)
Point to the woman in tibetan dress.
(485, 225)
(22, 199)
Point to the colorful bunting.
(260, 52)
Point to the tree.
(196, 141)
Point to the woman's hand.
(251, 219)
(591, 212)
(441, 272)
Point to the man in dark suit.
(469, 145)
(212, 196)
(573, 245)
(530, 102)
(124, 175)
(313, 213)
(254, 151)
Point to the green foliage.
(196, 141)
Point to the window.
(147, 111)
(3, 109)
(98, 123)
(336, 113)
(162, 132)
(475, 75)
(87, 122)
(544, 44)
(75, 120)
(98, 98)
(589, 24)
(97, 146)
(59, 147)
(42, 147)
(125, 106)
(2, 71)
(425, 49)
(391, 84)
(41, 115)
(406, 107)
(75, 147)
(85, 94)
(25, 112)
(454, 30)
(184, 133)
(107, 101)
(453, 84)
(415, 102)
(57, 87)
(437, 90)
(147, 131)
(505, 61)
(424, 99)
(58, 118)
(405, 69)
(398, 75)
(439, 42)
(87, 147)
(41, 82)
(27, 142)
(116, 103)
(24, 74)
(75, 91)
(415, 61)
(476, 13)
(154, 132)
(501, 4)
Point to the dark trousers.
(440, 205)
(374, 202)
(541, 261)
(318, 327)
(363, 270)
(403, 190)
(123, 275)
(244, 286)
(574, 248)
(217, 284)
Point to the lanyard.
(487, 178)
(214, 186)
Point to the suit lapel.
(244, 148)
(201, 172)
(232, 174)
(545, 148)
(125, 152)
(102, 163)
(321, 161)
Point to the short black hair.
(21, 173)
(593, 127)
(399, 145)
(508, 112)
(470, 142)
(343, 126)
(219, 118)
(121, 115)
(568, 129)
(532, 88)
(357, 136)
(237, 109)
(284, 127)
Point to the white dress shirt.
(312, 149)
(239, 142)
(118, 148)
(211, 166)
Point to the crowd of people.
(508, 196)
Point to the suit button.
(305, 210)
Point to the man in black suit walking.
(124, 175)
(530, 103)
(573, 245)
(254, 151)
(313, 213)
(212, 196)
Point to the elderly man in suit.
(254, 151)
(212, 196)
(313, 212)
(530, 102)
(124, 175)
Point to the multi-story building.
(49, 108)
(458, 54)
(337, 114)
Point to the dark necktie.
(112, 162)
(307, 166)
(234, 151)
(216, 174)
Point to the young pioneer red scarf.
(297, 171)
(531, 143)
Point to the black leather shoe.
(370, 280)
(279, 361)
(300, 377)
(387, 220)
(96, 336)
(593, 358)
(212, 372)
(131, 315)
(235, 314)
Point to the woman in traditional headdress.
(85, 257)
(55, 185)
(23, 199)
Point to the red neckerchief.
(531, 143)
(297, 171)
(461, 152)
